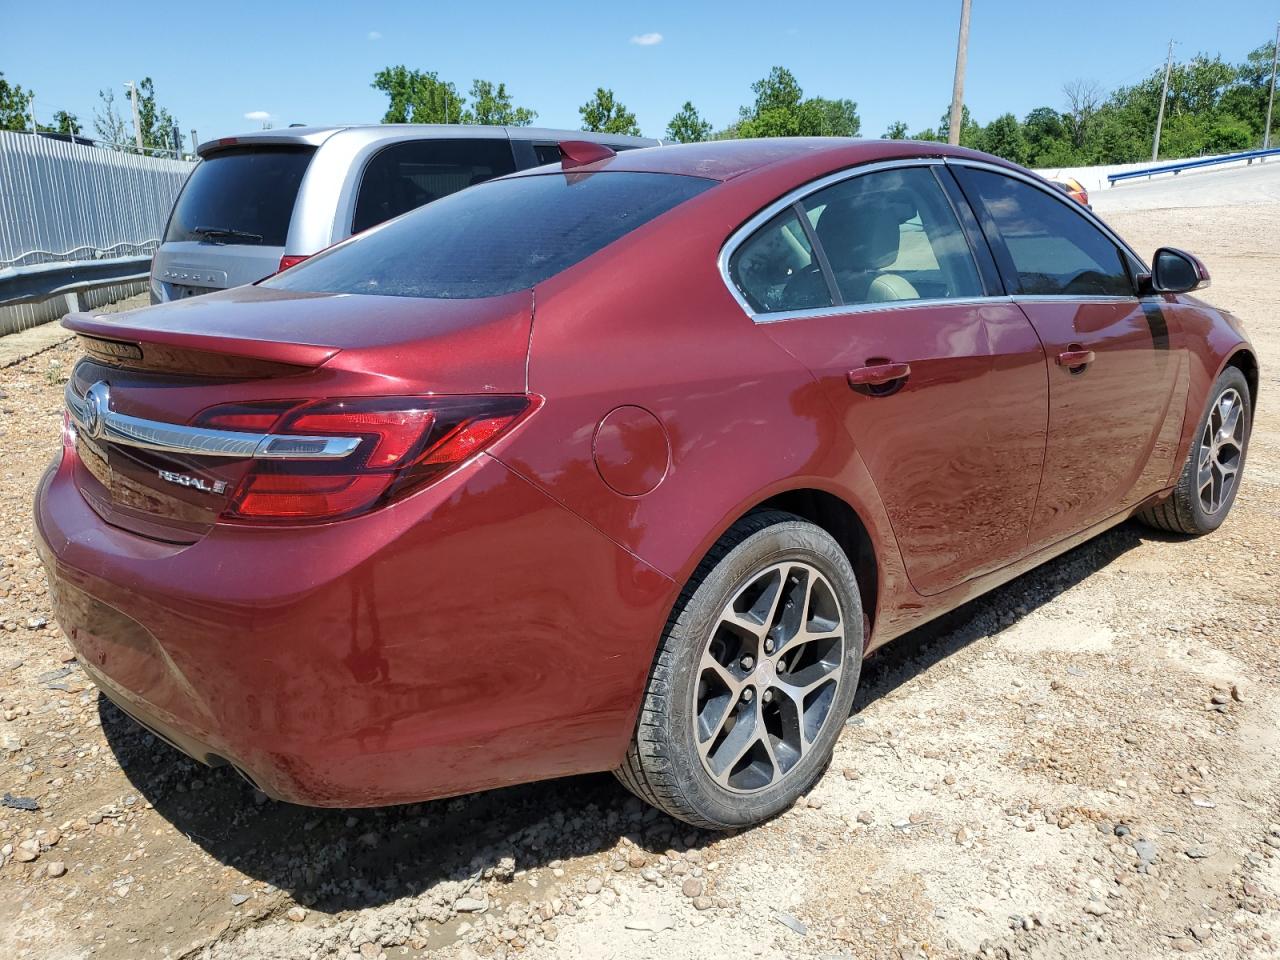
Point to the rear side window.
(1054, 249)
(546, 153)
(500, 237)
(242, 195)
(407, 175)
(776, 269)
(891, 235)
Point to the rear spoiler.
(119, 342)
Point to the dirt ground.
(1084, 764)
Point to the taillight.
(405, 443)
(291, 260)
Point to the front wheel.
(754, 677)
(1211, 477)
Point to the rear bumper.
(474, 635)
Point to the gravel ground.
(1083, 764)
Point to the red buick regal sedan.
(620, 464)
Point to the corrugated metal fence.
(66, 201)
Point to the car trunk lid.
(164, 365)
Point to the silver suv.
(263, 201)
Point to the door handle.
(877, 375)
(1075, 358)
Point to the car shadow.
(348, 859)
(915, 652)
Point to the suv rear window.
(248, 191)
(495, 238)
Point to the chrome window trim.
(798, 195)
(93, 415)
(1058, 195)
(884, 306)
(1072, 298)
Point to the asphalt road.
(1231, 186)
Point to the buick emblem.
(97, 401)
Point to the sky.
(222, 67)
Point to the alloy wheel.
(1221, 447)
(768, 676)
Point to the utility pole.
(195, 142)
(1275, 57)
(137, 123)
(957, 89)
(32, 103)
(1168, 68)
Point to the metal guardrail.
(41, 281)
(1176, 168)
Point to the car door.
(1112, 376)
(871, 282)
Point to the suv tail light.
(291, 260)
(405, 443)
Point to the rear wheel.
(1211, 477)
(754, 677)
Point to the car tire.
(802, 669)
(1202, 497)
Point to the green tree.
(687, 126)
(604, 114)
(156, 122)
(1046, 138)
(897, 131)
(66, 123)
(493, 105)
(1003, 137)
(970, 131)
(15, 106)
(780, 110)
(1246, 99)
(839, 117)
(108, 123)
(418, 96)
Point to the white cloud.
(259, 115)
(647, 39)
(374, 35)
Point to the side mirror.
(1176, 271)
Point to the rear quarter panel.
(649, 322)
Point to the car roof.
(727, 159)
(314, 136)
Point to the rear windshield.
(241, 195)
(495, 238)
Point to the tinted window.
(502, 236)
(776, 270)
(246, 189)
(891, 236)
(407, 175)
(546, 153)
(1054, 249)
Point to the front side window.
(891, 235)
(499, 237)
(408, 175)
(776, 269)
(1055, 250)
